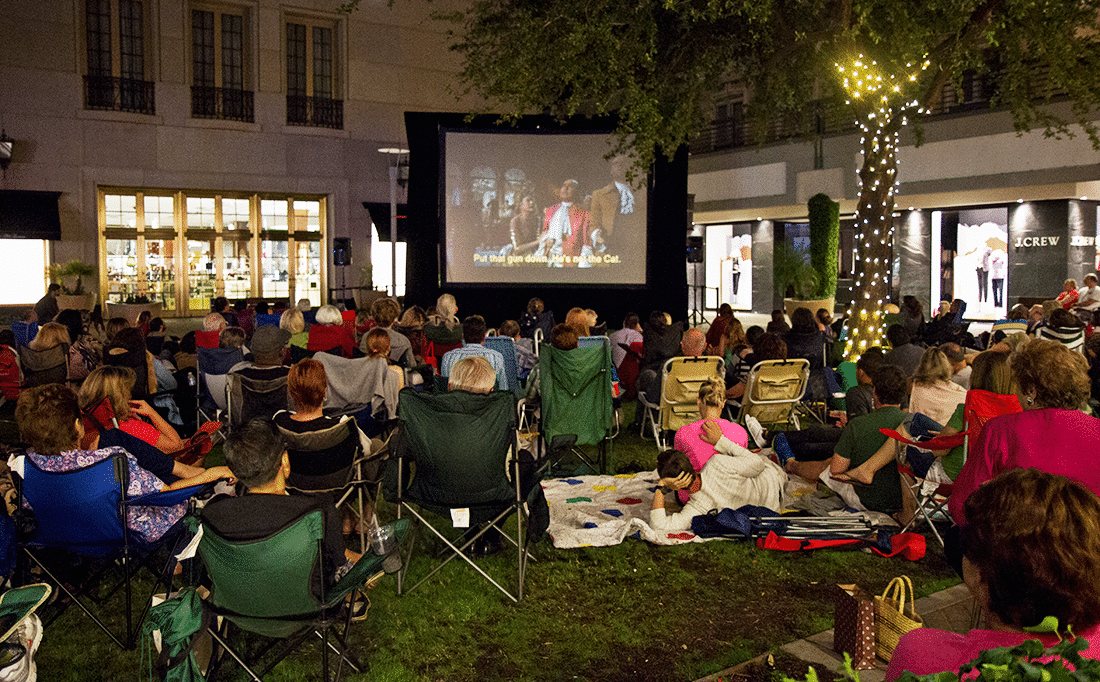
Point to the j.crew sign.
(1027, 242)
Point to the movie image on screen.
(541, 208)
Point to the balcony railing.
(973, 93)
(223, 103)
(109, 93)
(321, 112)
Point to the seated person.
(690, 437)
(473, 374)
(256, 455)
(377, 345)
(293, 321)
(269, 344)
(50, 421)
(1021, 567)
(476, 375)
(114, 384)
(903, 353)
(767, 347)
(991, 372)
(473, 336)
(731, 479)
(933, 394)
(329, 332)
(859, 441)
(525, 357)
(385, 312)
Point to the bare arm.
(207, 476)
(168, 441)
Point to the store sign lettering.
(1078, 240)
(1036, 241)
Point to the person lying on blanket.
(732, 478)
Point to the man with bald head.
(692, 343)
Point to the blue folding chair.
(506, 346)
(24, 331)
(267, 318)
(84, 512)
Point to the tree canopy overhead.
(659, 63)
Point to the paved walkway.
(947, 610)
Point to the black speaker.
(695, 249)
(341, 251)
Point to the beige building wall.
(387, 60)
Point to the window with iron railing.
(218, 67)
(311, 76)
(116, 69)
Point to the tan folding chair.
(680, 382)
(773, 390)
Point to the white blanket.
(599, 511)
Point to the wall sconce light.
(6, 144)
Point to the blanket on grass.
(600, 511)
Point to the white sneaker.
(757, 431)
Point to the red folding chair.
(980, 407)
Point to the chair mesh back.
(507, 348)
(265, 579)
(775, 386)
(576, 392)
(255, 398)
(681, 380)
(321, 460)
(460, 442)
(77, 509)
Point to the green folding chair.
(575, 386)
(463, 448)
(287, 608)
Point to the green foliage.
(1029, 661)
(824, 243)
(793, 269)
(658, 64)
(59, 272)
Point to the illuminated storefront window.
(183, 249)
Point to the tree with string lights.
(658, 64)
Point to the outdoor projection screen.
(541, 208)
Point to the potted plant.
(795, 278)
(822, 258)
(132, 307)
(75, 297)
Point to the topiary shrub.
(824, 243)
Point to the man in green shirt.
(861, 438)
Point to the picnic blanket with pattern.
(600, 511)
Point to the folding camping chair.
(332, 460)
(362, 387)
(681, 378)
(506, 346)
(248, 397)
(464, 448)
(773, 390)
(213, 369)
(286, 609)
(84, 512)
(575, 389)
(931, 497)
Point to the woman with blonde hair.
(443, 327)
(294, 322)
(50, 335)
(115, 384)
(933, 394)
(690, 437)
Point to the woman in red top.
(115, 384)
(330, 332)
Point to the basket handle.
(896, 590)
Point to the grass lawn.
(631, 612)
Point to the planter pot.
(791, 304)
(75, 301)
(131, 311)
